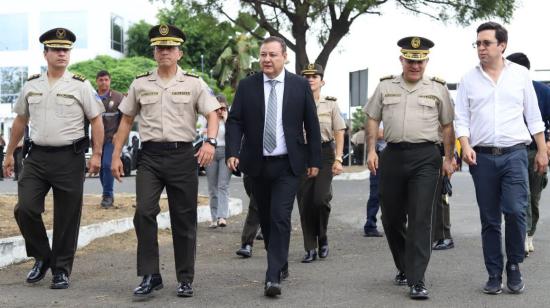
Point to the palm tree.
(236, 61)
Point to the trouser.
(175, 170)
(18, 162)
(275, 190)
(105, 175)
(63, 171)
(373, 204)
(442, 216)
(314, 202)
(1, 160)
(252, 222)
(409, 175)
(218, 176)
(501, 188)
(537, 183)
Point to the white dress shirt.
(280, 134)
(499, 114)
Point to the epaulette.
(387, 77)
(191, 74)
(437, 79)
(144, 74)
(79, 77)
(330, 98)
(33, 77)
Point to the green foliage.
(123, 71)
(358, 119)
(237, 60)
(138, 40)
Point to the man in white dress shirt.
(496, 114)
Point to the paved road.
(358, 272)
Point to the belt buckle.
(496, 151)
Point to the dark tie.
(270, 138)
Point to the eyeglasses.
(485, 43)
(413, 62)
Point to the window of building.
(11, 82)
(76, 21)
(117, 33)
(14, 32)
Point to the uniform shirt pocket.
(428, 107)
(66, 107)
(180, 103)
(390, 106)
(35, 103)
(149, 105)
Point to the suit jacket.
(245, 125)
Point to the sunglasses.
(485, 43)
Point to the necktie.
(270, 139)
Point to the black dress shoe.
(323, 251)
(493, 285)
(272, 289)
(38, 271)
(148, 285)
(107, 202)
(60, 280)
(185, 289)
(245, 251)
(310, 256)
(514, 281)
(284, 272)
(400, 279)
(444, 244)
(419, 291)
(373, 233)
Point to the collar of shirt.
(107, 94)
(479, 67)
(280, 78)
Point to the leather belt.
(47, 148)
(276, 157)
(499, 151)
(327, 144)
(163, 146)
(408, 145)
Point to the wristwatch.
(211, 141)
(339, 159)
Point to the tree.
(237, 61)
(138, 44)
(358, 119)
(328, 21)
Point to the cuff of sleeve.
(462, 132)
(536, 128)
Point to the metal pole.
(202, 63)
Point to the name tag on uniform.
(181, 93)
(149, 93)
(34, 94)
(392, 95)
(65, 95)
(429, 97)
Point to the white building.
(100, 28)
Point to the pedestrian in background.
(218, 174)
(111, 118)
(496, 114)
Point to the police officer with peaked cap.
(315, 193)
(413, 108)
(167, 101)
(55, 105)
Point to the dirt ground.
(92, 212)
(352, 169)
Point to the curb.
(12, 249)
(352, 176)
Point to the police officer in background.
(413, 107)
(315, 193)
(167, 101)
(55, 104)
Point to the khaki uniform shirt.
(414, 115)
(330, 119)
(56, 114)
(168, 112)
(358, 137)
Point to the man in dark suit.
(270, 111)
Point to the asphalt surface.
(358, 272)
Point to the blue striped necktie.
(270, 139)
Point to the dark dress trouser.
(314, 199)
(175, 170)
(275, 190)
(63, 171)
(408, 190)
(252, 222)
(441, 228)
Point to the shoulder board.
(191, 74)
(437, 79)
(387, 77)
(33, 77)
(330, 98)
(79, 77)
(144, 74)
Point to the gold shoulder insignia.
(330, 98)
(79, 77)
(33, 77)
(387, 77)
(144, 74)
(437, 79)
(191, 74)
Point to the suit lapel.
(261, 99)
(286, 91)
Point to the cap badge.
(311, 66)
(163, 29)
(415, 42)
(60, 33)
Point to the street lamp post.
(202, 63)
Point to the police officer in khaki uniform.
(413, 108)
(167, 101)
(55, 104)
(315, 193)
